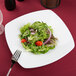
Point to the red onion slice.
(31, 29)
(48, 38)
(32, 33)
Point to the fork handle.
(13, 62)
(9, 72)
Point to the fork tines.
(16, 55)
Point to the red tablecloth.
(63, 67)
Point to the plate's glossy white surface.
(28, 60)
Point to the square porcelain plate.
(28, 60)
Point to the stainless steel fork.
(14, 59)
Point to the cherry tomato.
(23, 40)
(39, 43)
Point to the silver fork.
(14, 59)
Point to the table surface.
(66, 66)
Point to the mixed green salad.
(37, 38)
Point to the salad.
(37, 38)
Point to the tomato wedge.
(38, 43)
(23, 40)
